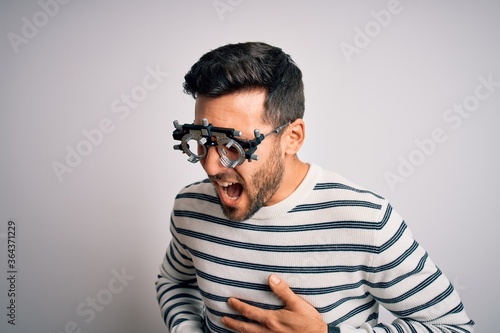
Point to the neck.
(295, 172)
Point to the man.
(268, 243)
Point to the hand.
(297, 315)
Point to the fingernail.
(274, 279)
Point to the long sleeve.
(409, 284)
(177, 291)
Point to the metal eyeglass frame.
(206, 136)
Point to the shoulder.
(332, 181)
(338, 203)
(332, 189)
(368, 216)
(197, 200)
(199, 191)
(202, 186)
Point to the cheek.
(264, 155)
(244, 174)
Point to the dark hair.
(247, 66)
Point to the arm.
(412, 288)
(177, 291)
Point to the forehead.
(241, 110)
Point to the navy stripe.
(233, 283)
(183, 256)
(181, 313)
(304, 269)
(289, 248)
(267, 306)
(215, 328)
(332, 306)
(174, 237)
(328, 186)
(383, 327)
(354, 312)
(177, 322)
(173, 251)
(204, 181)
(398, 328)
(373, 316)
(175, 268)
(436, 300)
(283, 228)
(198, 196)
(296, 248)
(231, 315)
(381, 285)
(213, 297)
(459, 329)
(169, 310)
(312, 291)
(427, 282)
(369, 225)
(182, 286)
(334, 204)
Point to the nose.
(211, 163)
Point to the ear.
(293, 137)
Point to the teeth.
(224, 184)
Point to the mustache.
(225, 177)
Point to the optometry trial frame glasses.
(196, 140)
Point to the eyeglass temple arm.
(252, 144)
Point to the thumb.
(281, 289)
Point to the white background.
(364, 113)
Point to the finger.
(240, 326)
(247, 310)
(282, 290)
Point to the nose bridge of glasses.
(212, 155)
(229, 152)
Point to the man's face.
(245, 189)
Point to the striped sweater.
(343, 249)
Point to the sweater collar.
(294, 199)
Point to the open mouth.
(232, 191)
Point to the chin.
(238, 214)
(234, 214)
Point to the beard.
(263, 185)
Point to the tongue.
(234, 190)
